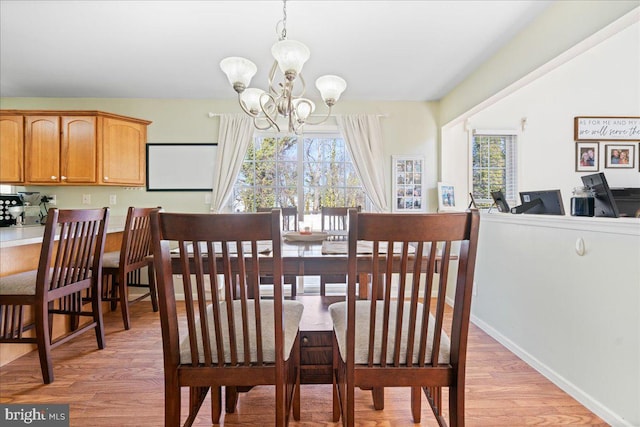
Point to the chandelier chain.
(283, 34)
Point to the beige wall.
(408, 128)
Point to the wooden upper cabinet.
(123, 152)
(79, 150)
(61, 150)
(42, 149)
(12, 149)
(72, 147)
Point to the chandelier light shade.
(239, 71)
(279, 101)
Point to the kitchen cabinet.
(123, 152)
(60, 150)
(72, 148)
(12, 149)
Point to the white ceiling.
(386, 50)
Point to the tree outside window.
(493, 167)
(283, 170)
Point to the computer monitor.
(627, 201)
(547, 202)
(605, 205)
(500, 201)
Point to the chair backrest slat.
(289, 216)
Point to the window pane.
(493, 167)
(271, 172)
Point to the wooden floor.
(122, 385)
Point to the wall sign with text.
(607, 128)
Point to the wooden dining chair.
(70, 264)
(334, 219)
(289, 223)
(409, 337)
(209, 342)
(122, 269)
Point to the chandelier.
(280, 100)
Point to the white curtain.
(364, 142)
(236, 133)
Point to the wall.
(563, 25)
(408, 128)
(575, 318)
(601, 81)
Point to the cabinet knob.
(106, 178)
(53, 177)
(63, 177)
(305, 340)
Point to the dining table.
(312, 255)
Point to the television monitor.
(546, 202)
(500, 201)
(605, 204)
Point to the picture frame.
(620, 156)
(446, 197)
(408, 183)
(587, 156)
(606, 128)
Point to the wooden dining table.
(313, 258)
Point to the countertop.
(18, 236)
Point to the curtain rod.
(212, 115)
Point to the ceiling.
(385, 50)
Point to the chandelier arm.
(269, 109)
(268, 125)
(307, 122)
(304, 87)
(272, 75)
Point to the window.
(305, 171)
(493, 164)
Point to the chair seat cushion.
(338, 313)
(292, 315)
(111, 260)
(19, 284)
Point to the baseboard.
(585, 399)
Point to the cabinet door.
(123, 145)
(78, 150)
(11, 149)
(42, 149)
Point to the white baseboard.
(585, 399)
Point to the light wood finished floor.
(122, 385)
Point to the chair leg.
(216, 404)
(296, 391)
(96, 307)
(123, 289)
(172, 402)
(112, 290)
(43, 340)
(377, 393)
(456, 406)
(230, 399)
(416, 395)
(323, 286)
(152, 287)
(281, 407)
